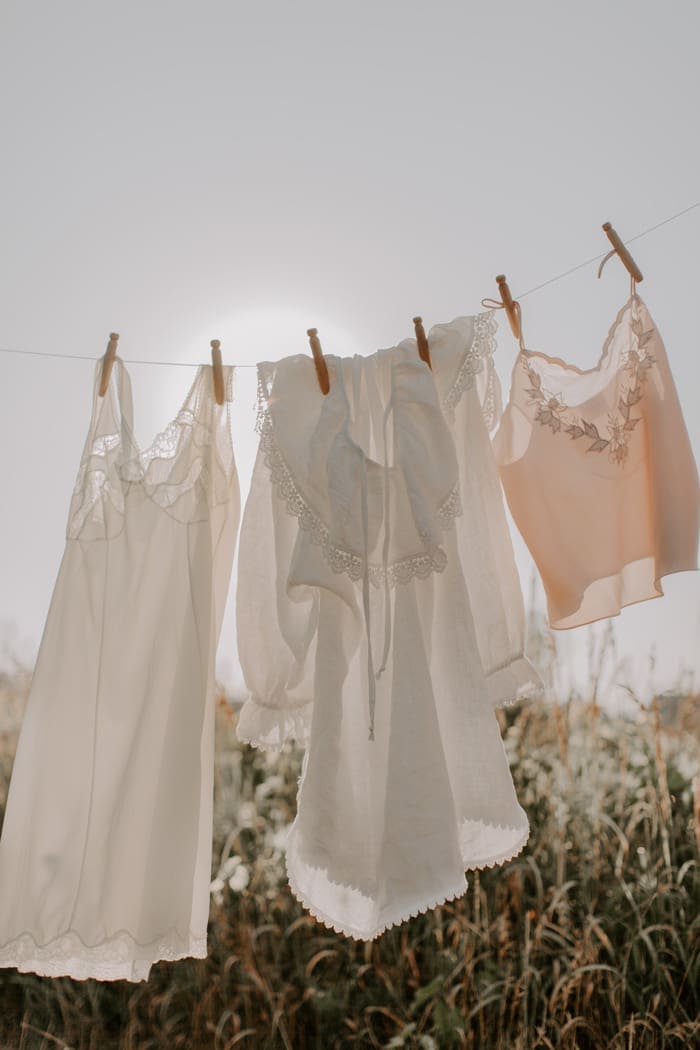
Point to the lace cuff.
(268, 728)
(518, 680)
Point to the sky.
(179, 172)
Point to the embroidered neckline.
(552, 411)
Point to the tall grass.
(589, 939)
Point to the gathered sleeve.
(276, 621)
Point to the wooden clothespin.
(618, 248)
(108, 361)
(422, 341)
(319, 360)
(511, 307)
(217, 371)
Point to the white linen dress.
(380, 620)
(105, 856)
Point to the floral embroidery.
(553, 412)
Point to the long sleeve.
(462, 354)
(277, 621)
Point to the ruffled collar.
(321, 450)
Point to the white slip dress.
(380, 620)
(105, 855)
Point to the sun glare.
(269, 334)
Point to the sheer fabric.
(599, 474)
(380, 620)
(105, 856)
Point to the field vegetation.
(589, 939)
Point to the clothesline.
(597, 258)
(406, 524)
(521, 295)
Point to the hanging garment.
(380, 620)
(599, 474)
(105, 856)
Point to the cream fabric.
(105, 856)
(378, 596)
(599, 473)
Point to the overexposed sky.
(183, 171)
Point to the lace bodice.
(185, 470)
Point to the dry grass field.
(589, 939)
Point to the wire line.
(126, 360)
(597, 258)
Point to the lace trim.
(399, 917)
(553, 412)
(503, 856)
(515, 681)
(450, 509)
(269, 728)
(119, 957)
(107, 478)
(90, 485)
(396, 919)
(528, 691)
(166, 443)
(339, 558)
(477, 357)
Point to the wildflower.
(216, 890)
(271, 786)
(240, 879)
(278, 839)
(230, 865)
(247, 813)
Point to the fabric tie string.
(372, 675)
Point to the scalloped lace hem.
(118, 958)
(269, 728)
(404, 914)
(502, 856)
(397, 919)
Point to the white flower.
(240, 879)
(278, 839)
(216, 891)
(229, 866)
(270, 786)
(247, 814)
